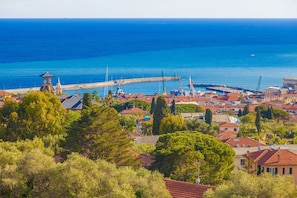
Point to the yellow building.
(275, 162)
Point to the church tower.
(59, 90)
(47, 82)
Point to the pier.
(99, 84)
(224, 88)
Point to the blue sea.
(234, 52)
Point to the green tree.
(147, 128)
(270, 113)
(99, 135)
(172, 107)
(239, 113)
(39, 114)
(161, 111)
(188, 108)
(87, 101)
(139, 104)
(196, 125)
(181, 155)
(258, 121)
(9, 121)
(208, 116)
(153, 106)
(263, 108)
(248, 118)
(119, 106)
(71, 116)
(244, 185)
(28, 171)
(108, 100)
(128, 122)
(171, 124)
(246, 110)
(144, 148)
(192, 124)
(279, 113)
(95, 96)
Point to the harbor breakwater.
(99, 84)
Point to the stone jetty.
(99, 84)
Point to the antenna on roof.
(198, 179)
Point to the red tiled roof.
(233, 96)
(179, 189)
(274, 157)
(225, 135)
(228, 124)
(133, 110)
(243, 142)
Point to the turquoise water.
(231, 52)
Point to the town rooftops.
(73, 102)
(273, 157)
(243, 142)
(133, 110)
(179, 189)
(226, 135)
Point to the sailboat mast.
(106, 79)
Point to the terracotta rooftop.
(226, 135)
(243, 142)
(133, 110)
(274, 157)
(228, 124)
(179, 189)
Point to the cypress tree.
(239, 113)
(258, 121)
(208, 116)
(161, 111)
(270, 113)
(153, 106)
(87, 100)
(246, 110)
(172, 108)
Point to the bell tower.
(47, 82)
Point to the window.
(291, 171)
(267, 170)
(242, 162)
(284, 171)
(275, 171)
(235, 129)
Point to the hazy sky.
(148, 8)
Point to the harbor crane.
(259, 84)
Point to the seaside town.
(202, 142)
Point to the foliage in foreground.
(99, 135)
(26, 170)
(181, 155)
(244, 185)
(39, 114)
